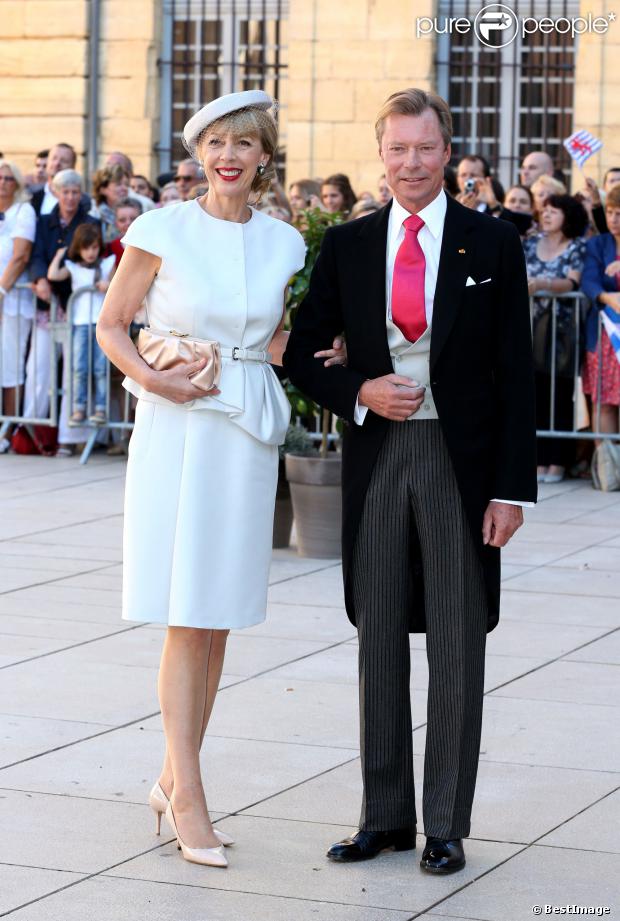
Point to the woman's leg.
(182, 687)
(214, 673)
(608, 422)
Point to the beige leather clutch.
(165, 350)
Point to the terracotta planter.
(317, 504)
(283, 517)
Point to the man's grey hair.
(67, 177)
(189, 161)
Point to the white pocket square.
(470, 281)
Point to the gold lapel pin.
(461, 251)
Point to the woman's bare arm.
(55, 272)
(127, 290)
(337, 355)
(22, 249)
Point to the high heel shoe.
(207, 856)
(159, 803)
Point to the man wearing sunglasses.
(188, 175)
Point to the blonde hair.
(549, 185)
(21, 192)
(414, 102)
(240, 123)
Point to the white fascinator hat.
(218, 108)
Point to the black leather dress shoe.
(443, 855)
(367, 844)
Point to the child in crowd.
(85, 267)
(125, 213)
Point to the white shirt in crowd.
(49, 200)
(429, 237)
(19, 222)
(87, 306)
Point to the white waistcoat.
(412, 359)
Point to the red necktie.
(408, 305)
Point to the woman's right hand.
(176, 385)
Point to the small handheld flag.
(611, 322)
(581, 145)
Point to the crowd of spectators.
(59, 233)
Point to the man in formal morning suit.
(438, 456)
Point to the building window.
(213, 47)
(507, 102)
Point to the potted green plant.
(299, 442)
(314, 478)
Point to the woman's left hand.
(337, 355)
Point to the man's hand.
(393, 396)
(469, 199)
(337, 355)
(500, 522)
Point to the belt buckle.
(234, 353)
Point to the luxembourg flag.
(581, 145)
(611, 322)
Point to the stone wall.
(44, 78)
(597, 93)
(345, 58)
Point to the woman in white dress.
(202, 470)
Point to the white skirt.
(199, 504)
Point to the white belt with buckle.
(239, 354)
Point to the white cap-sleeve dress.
(202, 476)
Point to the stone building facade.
(331, 64)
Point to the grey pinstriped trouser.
(413, 487)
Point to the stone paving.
(81, 737)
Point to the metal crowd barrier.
(37, 399)
(118, 401)
(41, 400)
(580, 306)
(33, 367)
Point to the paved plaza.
(81, 735)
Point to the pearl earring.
(260, 169)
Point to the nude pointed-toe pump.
(159, 803)
(207, 856)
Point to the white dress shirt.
(49, 200)
(429, 238)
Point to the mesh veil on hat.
(217, 108)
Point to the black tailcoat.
(481, 370)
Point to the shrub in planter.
(298, 441)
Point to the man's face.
(414, 155)
(186, 178)
(69, 198)
(59, 158)
(40, 169)
(611, 179)
(533, 166)
(385, 192)
(469, 169)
